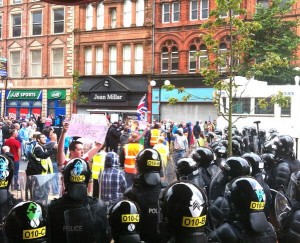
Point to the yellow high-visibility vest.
(155, 134)
(98, 164)
(163, 150)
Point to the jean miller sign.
(109, 97)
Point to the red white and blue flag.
(142, 109)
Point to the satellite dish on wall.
(70, 2)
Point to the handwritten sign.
(93, 127)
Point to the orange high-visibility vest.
(155, 134)
(131, 151)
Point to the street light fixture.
(4, 85)
(153, 84)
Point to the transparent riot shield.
(86, 224)
(282, 207)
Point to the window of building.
(286, 111)
(174, 60)
(99, 60)
(175, 12)
(89, 17)
(112, 60)
(241, 105)
(15, 64)
(1, 3)
(57, 62)
(169, 58)
(140, 9)
(139, 57)
(193, 59)
(199, 9)
(35, 63)
(204, 9)
(126, 59)
(0, 26)
(16, 1)
(36, 23)
(100, 16)
(263, 3)
(166, 13)
(223, 56)
(88, 61)
(165, 60)
(203, 57)
(127, 13)
(198, 56)
(58, 20)
(113, 18)
(16, 24)
(269, 110)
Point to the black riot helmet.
(255, 161)
(235, 167)
(149, 164)
(246, 131)
(247, 200)
(6, 175)
(253, 131)
(124, 220)
(293, 190)
(220, 151)
(269, 160)
(27, 222)
(285, 146)
(236, 148)
(77, 174)
(262, 132)
(183, 208)
(186, 169)
(203, 156)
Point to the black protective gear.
(280, 176)
(219, 211)
(270, 162)
(284, 147)
(124, 221)
(235, 167)
(293, 190)
(149, 165)
(240, 141)
(6, 175)
(76, 175)
(187, 170)
(111, 160)
(253, 131)
(225, 233)
(203, 156)
(255, 161)
(146, 197)
(182, 210)
(236, 148)
(27, 221)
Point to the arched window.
(89, 17)
(169, 58)
(198, 56)
(223, 56)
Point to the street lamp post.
(153, 84)
(297, 79)
(4, 86)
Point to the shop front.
(23, 103)
(56, 102)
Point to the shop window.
(36, 23)
(89, 17)
(58, 20)
(100, 16)
(140, 9)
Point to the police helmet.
(293, 191)
(269, 160)
(273, 130)
(111, 160)
(77, 174)
(247, 200)
(220, 151)
(149, 164)
(203, 156)
(186, 169)
(236, 148)
(124, 220)
(285, 145)
(6, 175)
(253, 131)
(218, 132)
(262, 132)
(183, 208)
(255, 161)
(27, 222)
(246, 130)
(235, 167)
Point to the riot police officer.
(7, 201)
(76, 217)
(145, 192)
(183, 213)
(187, 170)
(286, 163)
(27, 222)
(124, 221)
(247, 221)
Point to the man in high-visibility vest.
(155, 134)
(128, 155)
(97, 168)
(163, 150)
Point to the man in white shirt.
(180, 145)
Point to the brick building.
(36, 38)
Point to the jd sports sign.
(109, 97)
(24, 95)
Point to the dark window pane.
(268, 110)
(58, 15)
(241, 105)
(16, 31)
(59, 27)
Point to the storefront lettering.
(108, 97)
(55, 94)
(17, 95)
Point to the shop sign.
(109, 97)
(24, 95)
(56, 94)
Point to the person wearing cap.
(112, 180)
(145, 192)
(113, 137)
(180, 145)
(128, 155)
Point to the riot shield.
(282, 207)
(217, 186)
(86, 224)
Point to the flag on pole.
(142, 109)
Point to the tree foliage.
(75, 96)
